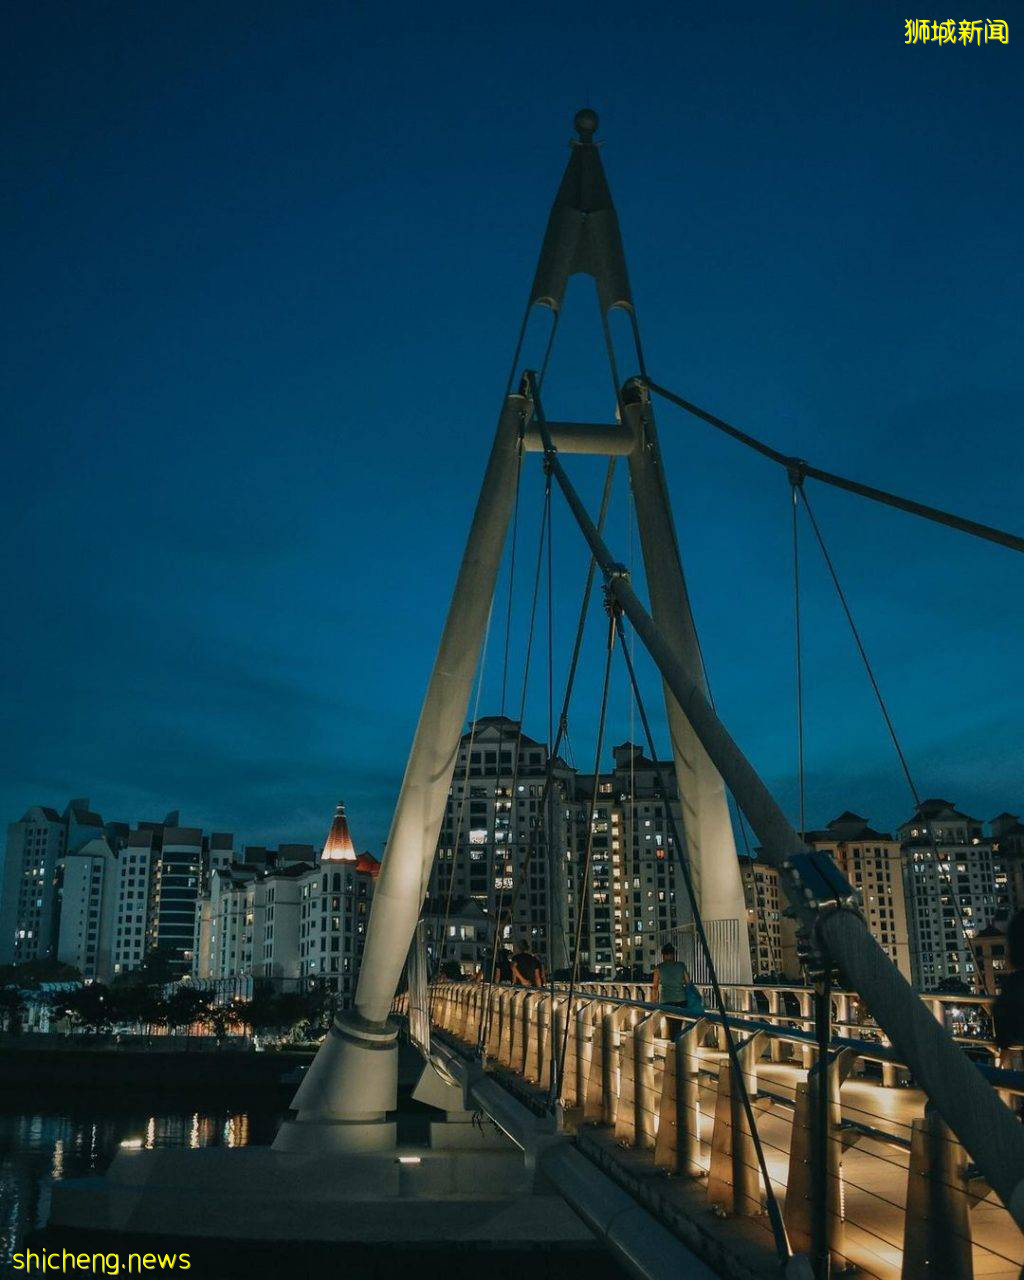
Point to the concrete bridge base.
(410, 1195)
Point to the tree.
(186, 1006)
(12, 1007)
(87, 1006)
(320, 1008)
(137, 1005)
(267, 1012)
(223, 1018)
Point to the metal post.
(609, 1067)
(734, 1183)
(678, 1143)
(806, 1014)
(937, 1231)
(820, 1252)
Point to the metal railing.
(901, 1195)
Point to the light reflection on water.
(39, 1146)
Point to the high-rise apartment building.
(872, 862)
(771, 939)
(637, 898)
(291, 914)
(1008, 847)
(31, 880)
(513, 857)
(958, 880)
(493, 849)
(99, 896)
(131, 905)
(88, 892)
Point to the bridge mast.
(352, 1084)
(583, 236)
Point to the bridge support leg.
(353, 1081)
(806, 1015)
(937, 1234)
(734, 1183)
(807, 1185)
(707, 827)
(677, 1147)
(583, 1035)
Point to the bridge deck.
(874, 1168)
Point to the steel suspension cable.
(518, 747)
(799, 660)
(581, 886)
(562, 729)
(774, 1213)
(464, 797)
(805, 469)
(890, 726)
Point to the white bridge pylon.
(352, 1084)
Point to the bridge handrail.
(631, 1069)
(870, 1050)
(931, 999)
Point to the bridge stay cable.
(562, 725)
(508, 844)
(824, 904)
(805, 469)
(581, 883)
(778, 1227)
(901, 754)
(799, 673)
(443, 933)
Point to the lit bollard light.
(937, 1224)
(806, 1182)
(678, 1146)
(583, 1036)
(734, 1183)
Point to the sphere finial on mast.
(586, 124)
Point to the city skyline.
(318, 831)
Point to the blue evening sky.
(265, 264)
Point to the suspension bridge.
(785, 1130)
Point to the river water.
(47, 1139)
(41, 1143)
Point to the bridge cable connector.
(818, 881)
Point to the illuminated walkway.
(617, 1098)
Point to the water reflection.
(40, 1146)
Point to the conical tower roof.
(339, 846)
(583, 230)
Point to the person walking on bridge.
(672, 984)
(527, 969)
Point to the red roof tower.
(339, 846)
